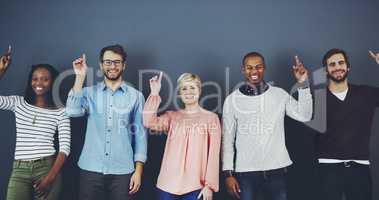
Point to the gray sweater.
(253, 128)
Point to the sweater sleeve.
(150, 118)
(64, 134)
(301, 109)
(228, 136)
(213, 164)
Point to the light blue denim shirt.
(115, 136)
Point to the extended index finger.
(372, 54)
(9, 50)
(297, 60)
(160, 76)
(84, 57)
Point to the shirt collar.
(123, 87)
(254, 90)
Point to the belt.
(266, 173)
(48, 158)
(343, 164)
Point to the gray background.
(199, 36)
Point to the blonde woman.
(190, 165)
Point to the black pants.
(97, 186)
(348, 179)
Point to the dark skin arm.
(5, 60)
(233, 187)
(43, 185)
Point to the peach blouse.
(192, 152)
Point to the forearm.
(79, 81)
(139, 167)
(306, 104)
(151, 108)
(150, 118)
(76, 104)
(57, 166)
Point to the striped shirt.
(36, 127)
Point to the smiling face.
(41, 81)
(253, 69)
(189, 92)
(112, 65)
(337, 69)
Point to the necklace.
(34, 119)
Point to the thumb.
(37, 183)
(200, 194)
(131, 184)
(238, 187)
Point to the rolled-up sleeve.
(140, 133)
(77, 103)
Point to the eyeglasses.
(109, 62)
(258, 67)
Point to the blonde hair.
(186, 77)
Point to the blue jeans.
(272, 184)
(162, 195)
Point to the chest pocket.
(123, 110)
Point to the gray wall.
(200, 36)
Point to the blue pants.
(272, 184)
(162, 195)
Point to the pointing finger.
(297, 60)
(160, 77)
(9, 50)
(372, 54)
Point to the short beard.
(330, 77)
(114, 78)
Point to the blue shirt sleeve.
(140, 133)
(77, 104)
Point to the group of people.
(251, 139)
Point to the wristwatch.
(228, 173)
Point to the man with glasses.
(115, 146)
(255, 157)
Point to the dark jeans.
(162, 195)
(272, 184)
(350, 179)
(97, 186)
